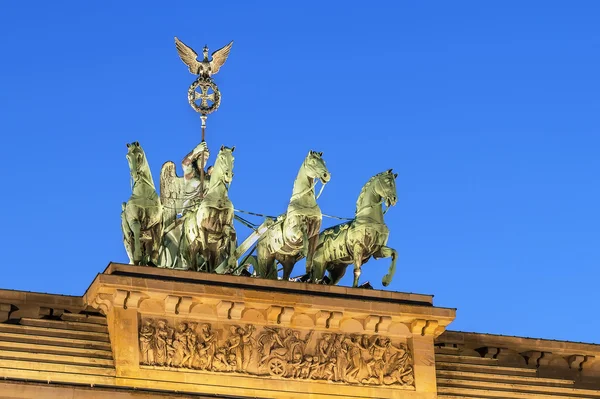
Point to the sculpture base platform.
(149, 329)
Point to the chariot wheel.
(276, 367)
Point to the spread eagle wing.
(188, 56)
(219, 57)
(171, 193)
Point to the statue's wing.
(171, 193)
(188, 56)
(219, 57)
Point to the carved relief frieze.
(276, 352)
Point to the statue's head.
(205, 53)
(315, 166)
(223, 167)
(386, 187)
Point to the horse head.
(315, 168)
(385, 187)
(138, 166)
(223, 167)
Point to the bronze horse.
(141, 219)
(295, 234)
(208, 232)
(360, 239)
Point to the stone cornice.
(179, 291)
(520, 344)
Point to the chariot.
(197, 231)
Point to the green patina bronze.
(190, 226)
(295, 234)
(208, 234)
(180, 195)
(141, 218)
(364, 237)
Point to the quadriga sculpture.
(141, 219)
(208, 231)
(296, 233)
(365, 236)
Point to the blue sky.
(489, 112)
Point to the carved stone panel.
(276, 352)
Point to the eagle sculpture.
(204, 68)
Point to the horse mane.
(364, 189)
(145, 168)
(218, 164)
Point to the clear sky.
(488, 111)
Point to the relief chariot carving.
(275, 352)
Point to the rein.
(142, 179)
(380, 202)
(311, 188)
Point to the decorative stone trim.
(276, 352)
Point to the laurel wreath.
(204, 82)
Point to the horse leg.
(188, 243)
(156, 243)
(387, 252)
(312, 246)
(135, 226)
(127, 239)
(318, 266)
(288, 265)
(336, 272)
(266, 262)
(184, 249)
(232, 243)
(207, 254)
(358, 259)
(305, 242)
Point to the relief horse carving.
(208, 232)
(141, 219)
(295, 234)
(360, 239)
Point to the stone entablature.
(243, 336)
(482, 365)
(161, 332)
